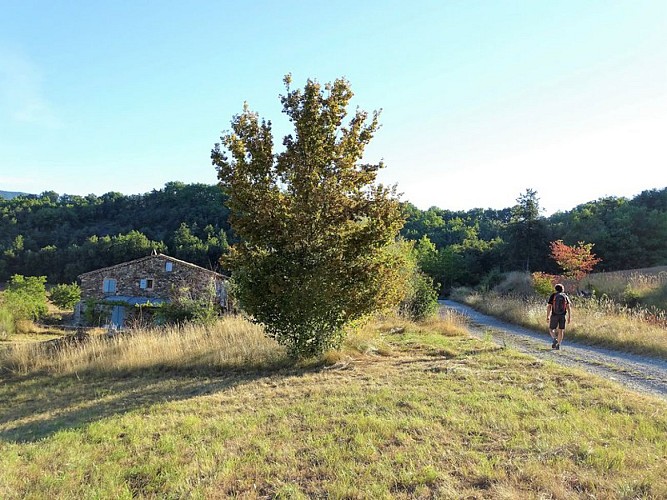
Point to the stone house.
(151, 280)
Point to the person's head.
(559, 288)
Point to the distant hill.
(8, 195)
(63, 236)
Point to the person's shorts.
(557, 321)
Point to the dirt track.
(640, 373)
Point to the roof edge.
(148, 257)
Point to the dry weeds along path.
(641, 373)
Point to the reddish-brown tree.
(575, 261)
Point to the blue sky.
(480, 100)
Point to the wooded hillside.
(61, 236)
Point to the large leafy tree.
(317, 233)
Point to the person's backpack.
(559, 305)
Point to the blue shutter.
(109, 285)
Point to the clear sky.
(480, 100)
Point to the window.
(109, 285)
(146, 283)
(168, 266)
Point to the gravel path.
(640, 373)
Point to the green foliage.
(25, 297)
(468, 245)
(65, 296)
(430, 260)
(96, 313)
(490, 280)
(184, 308)
(544, 283)
(420, 296)
(628, 234)
(62, 236)
(631, 297)
(7, 322)
(422, 300)
(455, 264)
(316, 231)
(527, 233)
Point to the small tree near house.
(65, 296)
(26, 297)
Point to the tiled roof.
(143, 259)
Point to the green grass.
(423, 412)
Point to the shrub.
(544, 283)
(7, 323)
(657, 297)
(631, 296)
(95, 313)
(422, 299)
(25, 297)
(184, 308)
(65, 296)
(492, 279)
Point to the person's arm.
(548, 311)
(568, 309)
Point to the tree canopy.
(62, 236)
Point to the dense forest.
(62, 236)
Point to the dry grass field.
(645, 287)
(403, 411)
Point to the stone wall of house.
(165, 284)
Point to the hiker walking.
(558, 308)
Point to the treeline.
(468, 248)
(62, 236)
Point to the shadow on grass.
(35, 407)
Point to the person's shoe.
(554, 345)
(557, 346)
